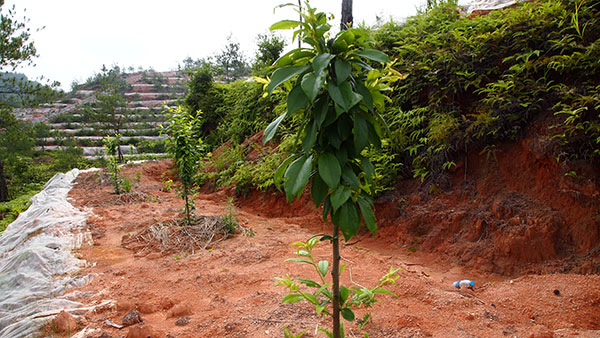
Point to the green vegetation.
(320, 293)
(474, 82)
(465, 85)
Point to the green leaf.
(385, 291)
(272, 128)
(347, 219)
(350, 177)
(283, 74)
(344, 293)
(326, 208)
(368, 216)
(285, 24)
(343, 95)
(297, 176)
(292, 298)
(367, 167)
(340, 196)
(319, 190)
(329, 169)
(347, 314)
(320, 62)
(373, 55)
(311, 298)
(310, 137)
(321, 109)
(361, 133)
(311, 84)
(308, 282)
(342, 70)
(278, 176)
(323, 267)
(366, 94)
(296, 100)
(299, 260)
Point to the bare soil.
(227, 289)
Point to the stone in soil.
(65, 323)
(182, 321)
(131, 318)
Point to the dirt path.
(228, 290)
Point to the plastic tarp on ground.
(485, 5)
(36, 263)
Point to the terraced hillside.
(147, 96)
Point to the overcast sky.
(80, 36)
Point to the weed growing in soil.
(230, 220)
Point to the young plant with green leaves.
(186, 149)
(336, 92)
(320, 294)
(112, 162)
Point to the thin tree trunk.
(335, 275)
(3, 186)
(300, 8)
(346, 15)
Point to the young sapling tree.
(336, 92)
(186, 149)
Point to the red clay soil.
(228, 290)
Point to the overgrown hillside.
(494, 139)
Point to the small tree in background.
(107, 111)
(269, 50)
(230, 62)
(337, 95)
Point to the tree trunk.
(300, 9)
(335, 276)
(3, 186)
(346, 15)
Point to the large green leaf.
(348, 219)
(321, 61)
(373, 55)
(297, 176)
(342, 70)
(320, 111)
(360, 132)
(310, 137)
(283, 74)
(319, 190)
(340, 196)
(278, 176)
(285, 24)
(329, 169)
(366, 95)
(368, 216)
(350, 177)
(272, 128)
(311, 84)
(343, 95)
(296, 100)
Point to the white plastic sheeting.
(36, 263)
(485, 5)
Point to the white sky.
(81, 35)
